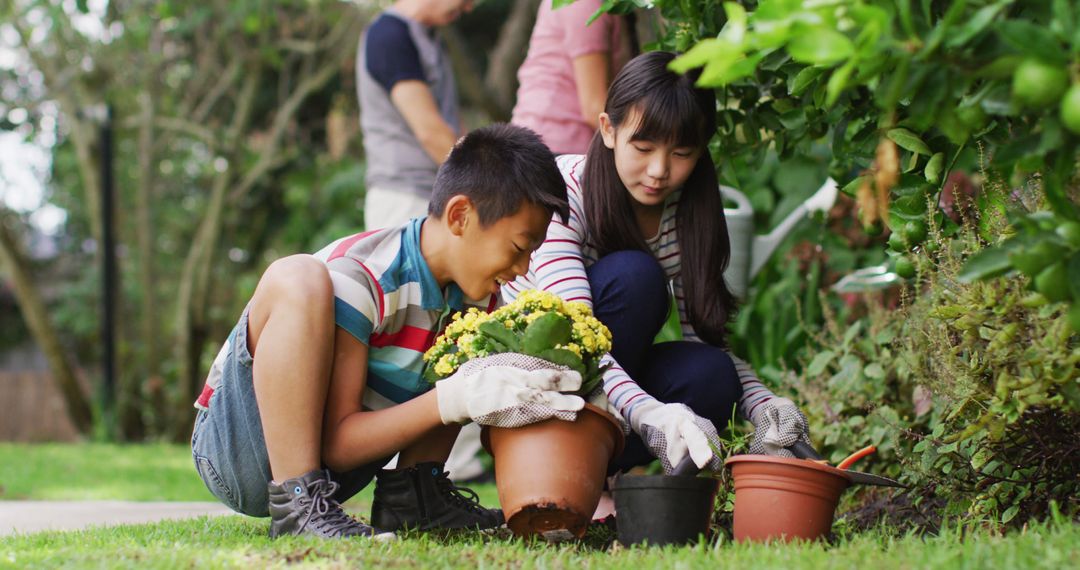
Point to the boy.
(320, 382)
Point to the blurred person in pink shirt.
(565, 77)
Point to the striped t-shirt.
(386, 296)
(559, 266)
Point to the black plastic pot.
(663, 509)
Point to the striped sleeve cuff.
(623, 393)
(754, 392)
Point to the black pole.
(108, 277)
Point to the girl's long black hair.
(672, 110)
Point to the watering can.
(749, 252)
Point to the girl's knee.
(720, 389)
(634, 273)
(704, 378)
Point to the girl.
(645, 210)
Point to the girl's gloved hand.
(508, 390)
(670, 431)
(778, 423)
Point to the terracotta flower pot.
(550, 474)
(777, 498)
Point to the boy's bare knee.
(300, 277)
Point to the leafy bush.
(970, 390)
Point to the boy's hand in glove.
(508, 390)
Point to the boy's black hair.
(498, 167)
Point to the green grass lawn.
(95, 471)
(162, 472)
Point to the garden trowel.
(806, 451)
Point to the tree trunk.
(150, 386)
(144, 381)
(509, 52)
(33, 311)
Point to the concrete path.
(24, 517)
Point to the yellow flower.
(445, 366)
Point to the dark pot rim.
(665, 483)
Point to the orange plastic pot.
(550, 474)
(777, 498)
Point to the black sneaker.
(422, 497)
(304, 506)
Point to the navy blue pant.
(630, 296)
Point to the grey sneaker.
(304, 506)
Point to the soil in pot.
(550, 474)
(777, 498)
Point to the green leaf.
(706, 51)
(1009, 514)
(607, 6)
(990, 262)
(975, 25)
(735, 27)
(838, 82)
(853, 331)
(820, 361)
(913, 162)
(908, 140)
(501, 334)
(874, 371)
(430, 375)
(718, 73)
(563, 357)
(933, 168)
(546, 332)
(819, 46)
(804, 79)
(852, 186)
(904, 8)
(1032, 40)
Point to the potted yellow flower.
(549, 474)
(538, 324)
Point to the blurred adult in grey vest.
(409, 119)
(408, 107)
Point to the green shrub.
(970, 390)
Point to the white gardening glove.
(778, 423)
(670, 431)
(508, 390)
